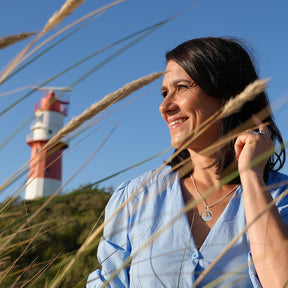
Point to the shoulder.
(277, 181)
(147, 182)
(148, 178)
(278, 185)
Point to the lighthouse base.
(41, 187)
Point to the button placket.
(196, 255)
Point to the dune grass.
(16, 219)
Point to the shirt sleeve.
(114, 247)
(252, 272)
(282, 205)
(280, 183)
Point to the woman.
(151, 242)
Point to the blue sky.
(141, 132)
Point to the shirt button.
(196, 255)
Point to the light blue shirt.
(154, 238)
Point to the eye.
(164, 93)
(182, 88)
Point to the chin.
(178, 144)
(180, 141)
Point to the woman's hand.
(269, 234)
(251, 145)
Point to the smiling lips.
(173, 123)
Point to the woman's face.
(185, 107)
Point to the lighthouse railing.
(60, 105)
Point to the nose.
(168, 105)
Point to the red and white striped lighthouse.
(45, 170)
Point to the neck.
(203, 169)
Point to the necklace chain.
(207, 214)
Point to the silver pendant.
(207, 215)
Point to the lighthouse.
(45, 169)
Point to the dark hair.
(223, 68)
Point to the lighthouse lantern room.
(45, 169)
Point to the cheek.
(208, 110)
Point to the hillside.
(33, 257)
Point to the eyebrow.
(174, 83)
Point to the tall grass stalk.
(83, 77)
(49, 200)
(68, 8)
(59, 278)
(89, 15)
(12, 39)
(91, 112)
(21, 255)
(43, 52)
(95, 13)
(52, 22)
(148, 29)
(102, 105)
(77, 171)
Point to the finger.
(260, 125)
(239, 144)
